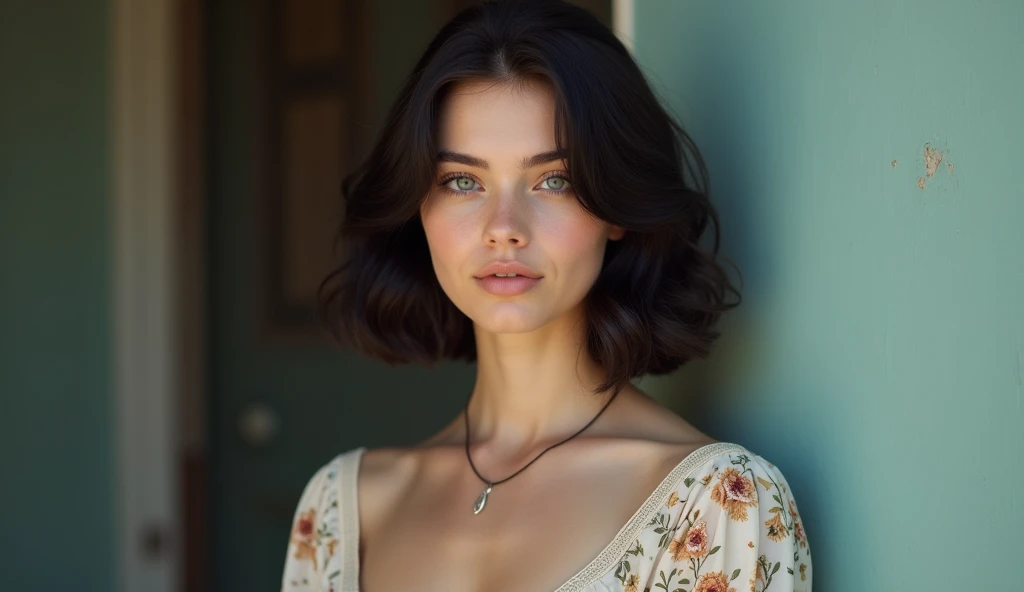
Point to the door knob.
(258, 424)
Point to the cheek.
(444, 240)
(580, 244)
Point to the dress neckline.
(593, 571)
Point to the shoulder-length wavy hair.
(659, 293)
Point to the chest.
(533, 534)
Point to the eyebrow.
(526, 163)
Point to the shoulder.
(736, 479)
(315, 531)
(732, 514)
(320, 487)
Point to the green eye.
(463, 184)
(557, 184)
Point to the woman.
(530, 207)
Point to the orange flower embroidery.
(776, 529)
(673, 499)
(798, 532)
(715, 581)
(803, 571)
(304, 536)
(693, 544)
(632, 583)
(735, 493)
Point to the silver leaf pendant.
(481, 501)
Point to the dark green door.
(282, 403)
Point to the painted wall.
(878, 358)
(56, 458)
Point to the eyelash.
(443, 183)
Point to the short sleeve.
(740, 531)
(313, 534)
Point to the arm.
(302, 569)
(742, 533)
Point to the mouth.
(507, 284)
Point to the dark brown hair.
(659, 294)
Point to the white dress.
(723, 520)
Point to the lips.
(507, 286)
(507, 267)
(524, 279)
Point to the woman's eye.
(462, 184)
(557, 183)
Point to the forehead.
(496, 117)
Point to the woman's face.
(493, 201)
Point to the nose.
(507, 220)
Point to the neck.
(532, 390)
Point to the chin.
(506, 318)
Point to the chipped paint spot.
(894, 163)
(932, 158)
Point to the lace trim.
(349, 508)
(607, 558)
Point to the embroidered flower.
(632, 583)
(673, 499)
(304, 535)
(776, 529)
(691, 545)
(735, 493)
(715, 581)
(798, 532)
(803, 571)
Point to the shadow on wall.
(738, 394)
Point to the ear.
(616, 233)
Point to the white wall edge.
(143, 161)
(624, 23)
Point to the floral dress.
(723, 520)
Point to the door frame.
(158, 205)
(145, 363)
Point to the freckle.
(894, 164)
(920, 182)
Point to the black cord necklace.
(481, 501)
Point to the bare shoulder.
(384, 474)
(637, 436)
(649, 424)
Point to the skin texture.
(534, 380)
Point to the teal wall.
(55, 406)
(878, 357)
